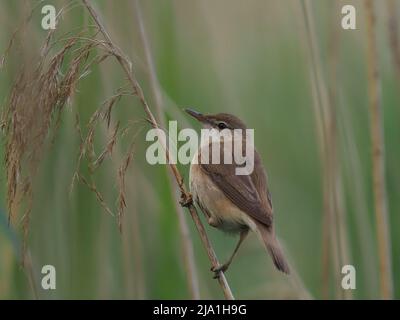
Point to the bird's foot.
(218, 269)
(186, 200)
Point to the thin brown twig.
(378, 157)
(185, 195)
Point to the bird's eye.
(222, 125)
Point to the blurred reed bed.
(301, 83)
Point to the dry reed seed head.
(34, 108)
(92, 186)
(122, 170)
(108, 149)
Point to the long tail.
(274, 249)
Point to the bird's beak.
(197, 115)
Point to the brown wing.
(249, 193)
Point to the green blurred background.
(249, 58)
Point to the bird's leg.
(225, 266)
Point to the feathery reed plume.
(37, 98)
(185, 195)
(123, 161)
(86, 151)
(31, 118)
(378, 156)
(132, 235)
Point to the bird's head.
(219, 121)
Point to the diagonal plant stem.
(378, 157)
(185, 195)
(187, 246)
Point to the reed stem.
(334, 233)
(378, 157)
(187, 246)
(128, 70)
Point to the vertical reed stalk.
(337, 170)
(356, 182)
(378, 156)
(393, 28)
(186, 197)
(333, 224)
(187, 246)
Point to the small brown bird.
(234, 203)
